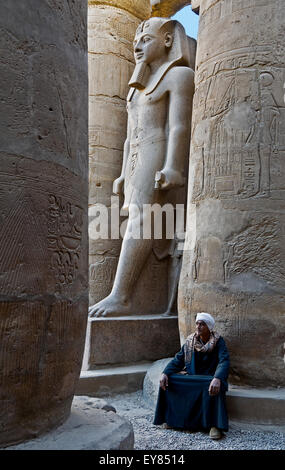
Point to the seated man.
(195, 399)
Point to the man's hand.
(163, 383)
(215, 387)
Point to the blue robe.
(186, 402)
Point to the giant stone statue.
(157, 145)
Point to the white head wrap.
(207, 318)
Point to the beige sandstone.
(139, 8)
(233, 266)
(167, 8)
(43, 213)
(132, 339)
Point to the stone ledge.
(135, 318)
(89, 427)
(257, 406)
(112, 380)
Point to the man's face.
(149, 45)
(202, 329)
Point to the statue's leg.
(173, 280)
(134, 253)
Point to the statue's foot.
(109, 307)
(169, 313)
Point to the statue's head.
(153, 40)
(160, 38)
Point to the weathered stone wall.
(139, 8)
(234, 266)
(167, 8)
(43, 212)
(111, 29)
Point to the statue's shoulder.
(181, 76)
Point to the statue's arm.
(181, 89)
(119, 182)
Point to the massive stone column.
(111, 29)
(43, 212)
(234, 263)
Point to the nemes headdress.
(181, 52)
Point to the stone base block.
(130, 339)
(106, 382)
(247, 406)
(90, 427)
(257, 406)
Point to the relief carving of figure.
(159, 108)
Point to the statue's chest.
(147, 107)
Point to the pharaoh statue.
(159, 116)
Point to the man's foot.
(165, 426)
(111, 306)
(215, 433)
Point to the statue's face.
(150, 44)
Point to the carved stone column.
(234, 263)
(111, 29)
(43, 213)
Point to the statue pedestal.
(92, 425)
(119, 351)
(131, 339)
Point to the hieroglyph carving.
(242, 130)
(64, 239)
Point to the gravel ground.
(150, 437)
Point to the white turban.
(207, 318)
